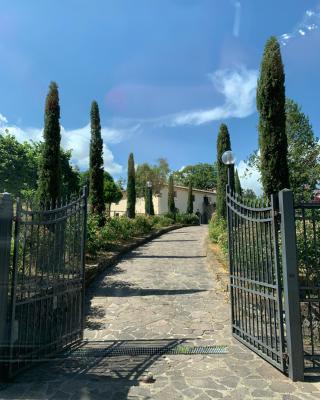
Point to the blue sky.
(165, 73)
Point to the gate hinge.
(285, 357)
(276, 213)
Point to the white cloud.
(309, 22)
(77, 140)
(3, 119)
(238, 86)
(237, 18)
(249, 177)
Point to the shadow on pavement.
(91, 370)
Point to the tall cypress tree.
(272, 120)
(190, 199)
(171, 204)
(131, 188)
(237, 184)
(223, 144)
(96, 178)
(49, 188)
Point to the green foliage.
(272, 120)
(18, 165)
(218, 232)
(237, 184)
(161, 221)
(202, 175)
(187, 219)
(156, 174)
(171, 204)
(223, 144)
(249, 194)
(190, 199)
(131, 188)
(50, 164)
(96, 174)
(112, 192)
(303, 153)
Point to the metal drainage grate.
(141, 351)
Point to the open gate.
(255, 279)
(265, 293)
(43, 285)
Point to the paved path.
(161, 294)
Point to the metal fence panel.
(307, 217)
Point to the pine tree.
(171, 204)
(272, 120)
(223, 144)
(96, 174)
(131, 188)
(49, 188)
(237, 184)
(190, 199)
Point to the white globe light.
(228, 158)
(149, 184)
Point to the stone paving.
(161, 294)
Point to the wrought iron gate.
(45, 282)
(255, 280)
(307, 217)
(265, 306)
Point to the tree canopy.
(157, 174)
(19, 167)
(202, 176)
(303, 152)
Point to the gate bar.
(291, 287)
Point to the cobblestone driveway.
(161, 294)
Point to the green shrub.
(94, 240)
(142, 224)
(160, 221)
(218, 232)
(187, 219)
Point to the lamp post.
(149, 194)
(228, 159)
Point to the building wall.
(181, 200)
(160, 202)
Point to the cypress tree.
(49, 188)
(131, 188)
(272, 120)
(96, 174)
(237, 184)
(149, 208)
(223, 144)
(171, 204)
(190, 199)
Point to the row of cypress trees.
(132, 195)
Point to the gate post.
(291, 287)
(6, 215)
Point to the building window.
(174, 194)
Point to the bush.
(218, 232)
(160, 221)
(142, 224)
(94, 240)
(187, 219)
